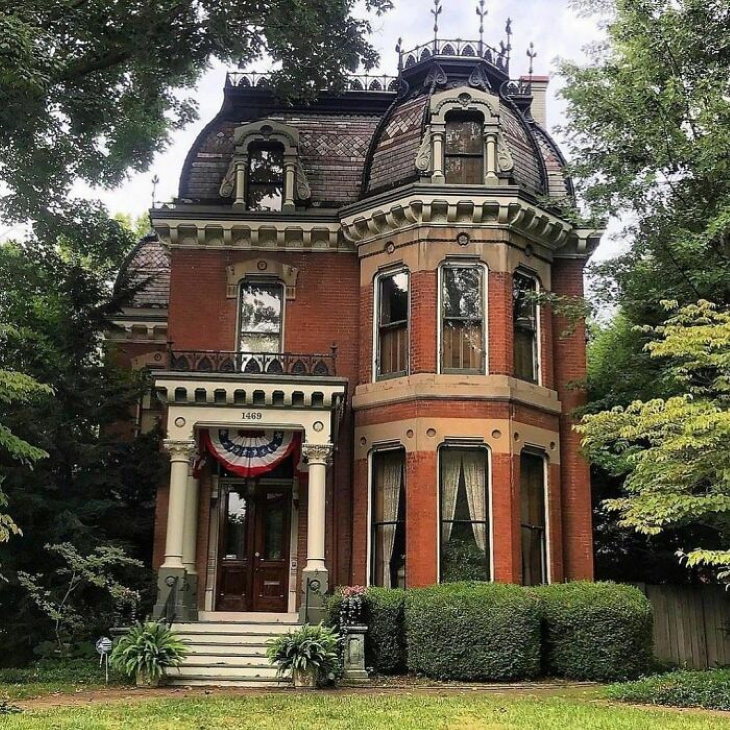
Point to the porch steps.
(230, 650)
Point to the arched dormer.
(464, 135)
(265, 173)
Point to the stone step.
(205, 680)
(222, 660)
(249, 617)
(222, 650)
(232, 628)
(235, 671)
(231, 639)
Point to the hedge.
(595, 631)
(473, 631)
(709, 690)
(385, 648)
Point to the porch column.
(190, 543)
(171, 578)
(315, 575)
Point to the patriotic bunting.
(250, 453)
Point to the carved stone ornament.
(228, 185)
(479, 78)
(179, 450)
(423, 158)
(505, 161)
(317, 453)
(436, 77)
(304, 189)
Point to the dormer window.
(464, 149)
(265, 177)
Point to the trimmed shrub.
(710, 690)
(473, 632)
(595, 631)
(385, 640)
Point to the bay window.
(464, 510)
(533, 518)
(462, 318)
(392, 324)
(388, 520)
(525, 327)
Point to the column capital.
(317, 453)
(179, 450)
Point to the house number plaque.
(252, 415)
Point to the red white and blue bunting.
(250, 453)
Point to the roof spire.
(399, 51)
(508, 47)
(436, 12)
(155, 183)
(482, 13)
(532, 55)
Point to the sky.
(552, 25)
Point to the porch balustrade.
(253, 363)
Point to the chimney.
(539, 86)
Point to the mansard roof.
(148, 264)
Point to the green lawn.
(289, 711)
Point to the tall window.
(265, 183)
(388, 560)
(533, 518)
(462, 318)
(525, 327)
(393, 305)
(464, 493)
(261, 316)
(464, 151)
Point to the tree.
(89, 87)
(15, 389)
(675, 452)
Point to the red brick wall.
(570, 368)
(424, 321)
(421, 525)
(499, 334)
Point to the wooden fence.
(691, 624)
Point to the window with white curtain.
(464, 509)
(533, 517)
(388, 517)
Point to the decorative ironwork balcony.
(439, 47)
(253, 363)
(359, 82)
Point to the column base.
(315, 584)
(176, 596)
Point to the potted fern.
(309, 654)
(146, 651)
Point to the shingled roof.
(148, 265)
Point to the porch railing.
(253, 363)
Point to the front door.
(253, 567)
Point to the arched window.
(462, 318)
(464, 148)
(392, 324)
(464, 509)
(533, 518)
(265, 177)
(388, 520)
(526, 353)
(262, 309)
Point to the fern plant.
(147, 650)
(309, 649)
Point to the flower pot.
(143, 679)
(305, 678)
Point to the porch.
(235, 546)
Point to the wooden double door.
(253, 556)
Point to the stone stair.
(229, 650)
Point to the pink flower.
(352, 591)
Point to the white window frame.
(252, 280)
(538, 325)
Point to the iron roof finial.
(436, 12)
(532, 55)
(155, 183)
(508, 46)
(399, 51)
(482, 13)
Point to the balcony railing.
(357, 82)
(253, 363)
(499, 57)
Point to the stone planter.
(143, 679)
(305, 678)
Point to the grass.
(710, 690)
(47, 678)
(405, 711)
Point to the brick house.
(364, 382)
